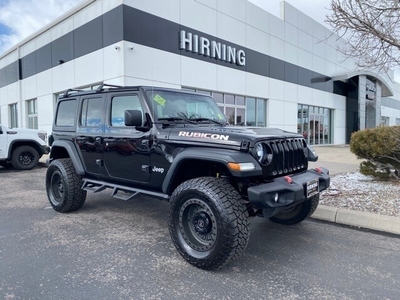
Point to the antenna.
(152, 94)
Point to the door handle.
(109, 140)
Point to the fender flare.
(24, 141)
(222, 156)
(72, 152)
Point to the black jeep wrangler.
(177, 146)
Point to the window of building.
(251, 111)
(256, 112)
(315, 124)
(229, 99)
(261, 117)
(397, 121)
(230, 114)
(384, 121)
(32, 114)
(13, 111)
(218, 97)
(240, 116)
(239, 100)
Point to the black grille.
(288, 157)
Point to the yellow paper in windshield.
(160, 100)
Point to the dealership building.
(261, 69)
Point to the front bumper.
(263, 196)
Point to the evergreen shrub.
(380, 150)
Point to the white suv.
(22, 148)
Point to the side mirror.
(133, 118)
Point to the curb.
(359, 219)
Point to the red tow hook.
(319, 171)
(288, 179)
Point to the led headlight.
(263, 153)
(42, 136)
(260, 152)
(269, 154)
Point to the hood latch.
(244, 146)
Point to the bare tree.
(372, 31)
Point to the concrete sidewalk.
(43, 159)
(339, 159)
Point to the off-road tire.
(63, 186)
(24, 158)
(215, 204)
(298, 213)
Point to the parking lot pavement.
(114, 249)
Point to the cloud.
(24, 17)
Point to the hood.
(229, 135)
(21, 130)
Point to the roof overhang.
(387, 90)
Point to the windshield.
(169, 105)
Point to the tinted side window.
(66, 113)
(121, 103)
(91, 112)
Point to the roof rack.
(66, 93)
(101, 87)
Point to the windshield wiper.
(207, 119)
(176, 119)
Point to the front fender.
(222, 156)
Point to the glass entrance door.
(316, 129)
(314, 123)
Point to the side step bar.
(118, 191)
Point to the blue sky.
(21, 18)
(4, 29)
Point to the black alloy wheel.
(25, 158)
(208, 222)
(63, 186)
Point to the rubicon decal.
(201, 135)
